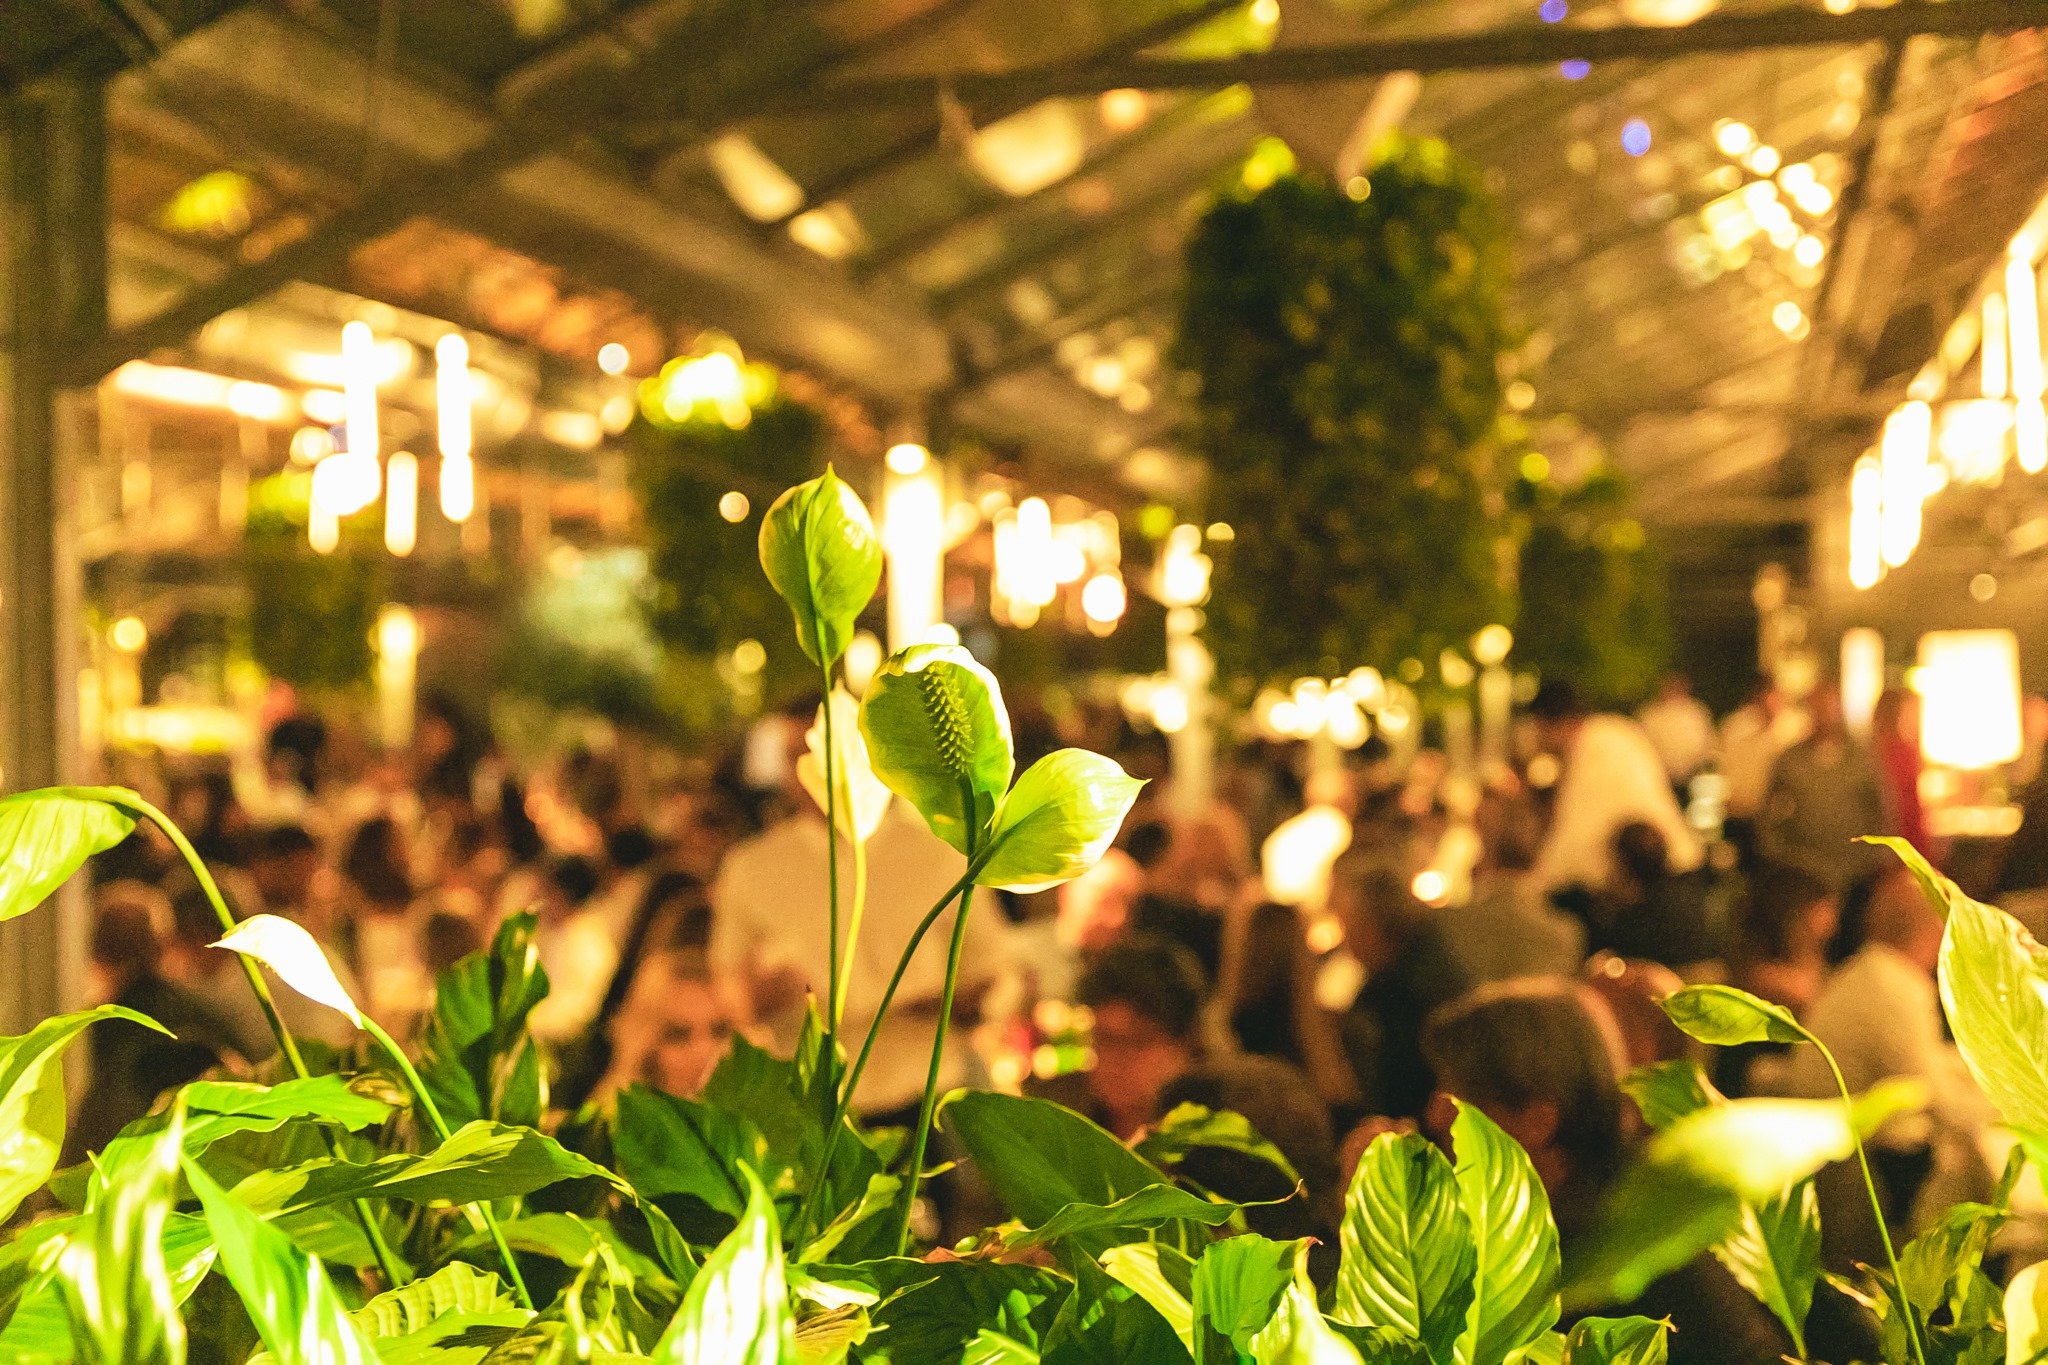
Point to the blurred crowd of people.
(1503, 941)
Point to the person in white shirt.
(1680, 727)
(576, 947)
(769, 933)
(1612, 777)
(1752, 737)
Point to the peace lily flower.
(288, 950)
(863, 799)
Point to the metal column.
(53, 300)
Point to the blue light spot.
(1574, 69)
(1635, 137)
(1552, 11)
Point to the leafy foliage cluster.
(416, 1207)
(1348, 355)
(310, 615)
(1596, 591)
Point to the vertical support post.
(53, 299)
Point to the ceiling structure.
(948, 208)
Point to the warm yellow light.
(1862, 677)
(1764, 159)
(453, 394)
(1809, 250)
(1969, 683)
(1866, 523)
(1971, 438)
(913, 533)
(863, 658)
(1902, 457)
(906, 458)
(1265, 13)
(1787, 316)
(458, 488)
(1295, 860)
(1124, 110)
(402, 503)
(323, 528)
(1169, 709)
(1366, 687)
(1733, 138)
(1492, 643)
(1221, 531)
(129, 635)
(1103, 599)
(258, 402)
(1344, 723)
(398, 652)
(734, 506)
(311, 445)
(1994, 376)
(749, 656)
(344, 484)
(1183, 569)
(613, 358)
(1430, 886)
(325, 406)
(359, 391)
(185, 388)
(1455, 668)
(2023, 328)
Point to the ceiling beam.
(1519, 45)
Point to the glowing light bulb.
(1103, 598)
(613, 358)
(1902, 457)
(458, 488)
(454, 433)
(734, 506)
(1866, 523)
(906, 458)
(402, 503)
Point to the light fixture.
(763, 190)
(1733, 138)
(2023, 328)
(458, 487)
(1295, 860)
(1862, 677)
(398, 652)
(1492, 643)
(733, 506)
(1902, 459)
(906, 458)
(1183, 569)
(1103, 599)
(361, 441)
(129, 635)
(913, 534)
(1866, 522)
(402, 503)
(1969, 685)
(179, 387)
(613, 358)
(323, 527)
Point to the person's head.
(378, 866)
(1536, 1060)
(1642, 859)
(1633, 990)
(1147, 843)
(629, 847)
(1792, 914)
(1146, 993)
(284, 861)
(1674, 686)
(1897, 716)
(128, 933)
(1900, 918)
(568, 883)
(1558, 711)
(1376, 906)
(674, 1028)
(1824, 709)
(445, 939)
(1510, 832)
(296, 743)
(677, 907)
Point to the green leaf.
(479, 1162)
(1146, 1208)
(289, 1298)
(1994, 987)
(1667, 1091)
(1774, 1253)
(667, 1145)
(1726, 1017)
(455, 1288)
(328, 1098)
(1515, 1267)
(938, 737)
(1039, 1157)
(1163, 1277)
(737, 1311)
(1188, 1127)
(113, 1273)
(877, 1199)
(1385, 1346)
(1235, 1291)
(457, 1339)
(1547, 1349)
(1103, 1322)
(476, 1056)
(1057, 821)
(32, 1098)
(47, 835)
(931, 1310)
(1617, 1341)
(1298, 1333)
(821, 555)
(1939, 890)
(993, 1348)
(2026, 1315)
(1407, 1251)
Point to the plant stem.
(801, 1226)
(860, 905)
(1884, 1234)
(388, 1263)
(931, 1079)
(834, 985)
(480, 1211)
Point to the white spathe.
(287, 949)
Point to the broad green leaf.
(938, 737)
(1774, 1253)
(47, 835)
(1190, 1126)
(819, 550)
(328, 1098)
(1146, 1208)
(2026, 1316)
(1163, 1277)
(479, 1162)
(1103, 1322)
(1939, 890)
(1687, 1189)
(1515, 1267)
(32, 1308)
(993, 1348)
(1235, 1291)
(929, 1311)
(476, 1056)
(1617, 1341)
(751, 1084)
(737, 1311)
(566, 1238)
(1667, 1091)
(1938, 1269)
(827, 1338)
(32, 1099)
(457, 1339)
(1298, 1333)
(287, 948)
(455, 1288)
(1057, 821)
(1039, 1157)
(113, 1273)
(863, 799)
(1994, 988)
(877, 1199)
(1547, 1349)
(1407, 1252)
(1385, 1346)
(666, 1145)
(1726, 1017)
(289, 1298)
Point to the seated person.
(674, 1028)
(1408, 972)
(1648, 911)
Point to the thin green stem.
(931, 1079)
(481, 1212)
(388, 1264)
(802, 1224)
(1884, 1233)
(860, 906)
(834, 985)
